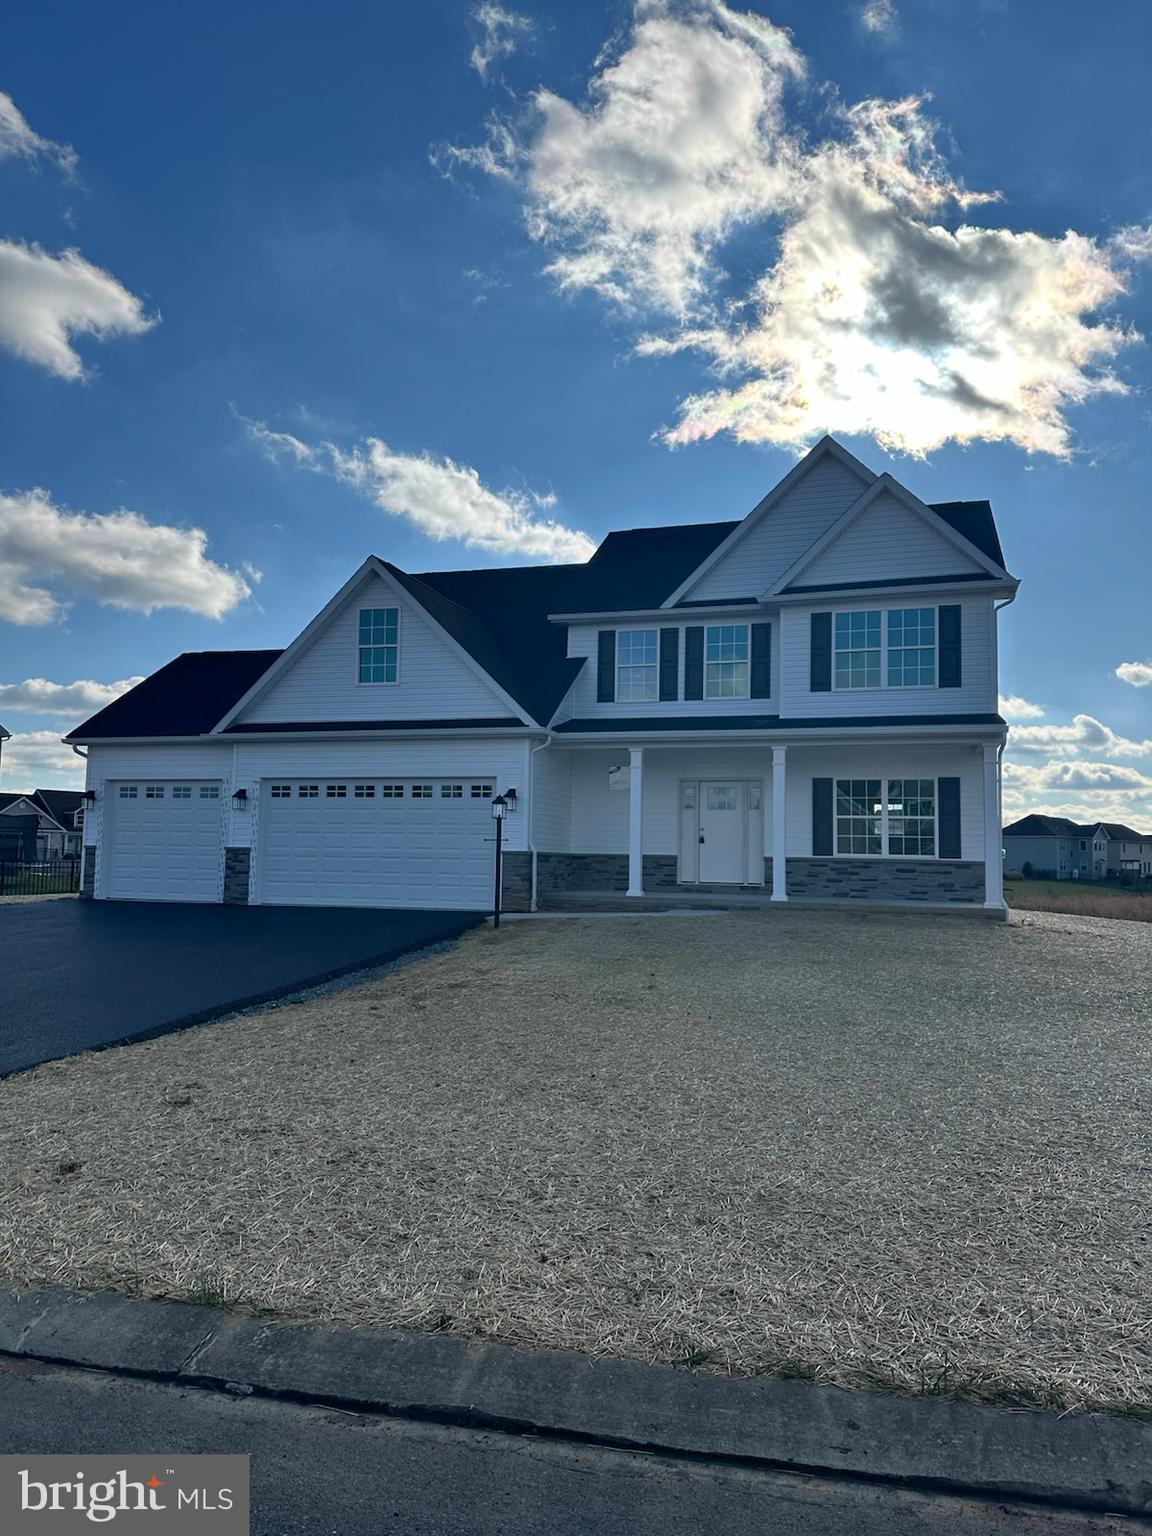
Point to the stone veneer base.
(237, 870)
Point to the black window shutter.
(820, 661)
(821, 818)
(694, 662)
(606, 667)
(948, 625)
(761, 661)
(669, 664)
(948, 814)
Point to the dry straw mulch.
(869, 1148)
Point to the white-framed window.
(421, 791)
(308, 791)
(128, 792)
(379, 645)
(482, 791)
(336, 791)
(209, 791)
(878, 818)
(864, 639)
(911, 647)
(856, 649)
(364, 791)
(726, 661)
(181, 791)
(281, 791)
(153, 791)
(451, 791)
(637, 657)
(391, 791)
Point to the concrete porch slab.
(617, 901)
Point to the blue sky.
(517, 275)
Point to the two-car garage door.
(376, 842)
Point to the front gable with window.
(379, 657)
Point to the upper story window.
(726, 661)
(636, 665)
(379, 645)
(911, 647)
(856, 649)
(860, 640)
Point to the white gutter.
(228, 738)
(533, 903)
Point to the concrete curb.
(1085, 1461)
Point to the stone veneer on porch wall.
(935, 880)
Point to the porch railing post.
(635, 821)
(779, 824)
(993, 841)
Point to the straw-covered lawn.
(871, 1147)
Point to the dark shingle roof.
(186, 698)
(973, 520)
(1037, 825)
(499, 616)
(607, 724)
(61, 804)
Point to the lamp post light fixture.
(499, 811)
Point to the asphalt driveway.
(80, 975)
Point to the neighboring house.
(803, 701)
(1060, 849)
(59, 817)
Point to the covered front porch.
(912, 821)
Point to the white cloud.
(885, 309)
(878, 16)
(39, 760)
(118, 558)
(1081, 775)
(445, 500)
(1085, 734)
(678, 143)
(499, 33)
(18, 140)
(1138, 673)
(1013, 707)
(46, 301)
(37, 696)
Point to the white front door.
(722, 832)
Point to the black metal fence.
(54, 878)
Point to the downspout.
(533, 903)
(996, 607)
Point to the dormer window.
(379, 645)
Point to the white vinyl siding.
(761, 557)
(323, 681)
(976, 695)
(887, 540)
(582, 703)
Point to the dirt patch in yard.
(865, 1147)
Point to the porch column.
(635, 821)
(993, 841)
(779, 824)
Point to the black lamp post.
(499, 808)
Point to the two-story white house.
(801, 703)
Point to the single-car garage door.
(163, 841)
(376, 842)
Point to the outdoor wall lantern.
(240, 799)
(90, 796)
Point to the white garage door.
(376, 842)
(163, 841)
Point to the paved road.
(320, 1472)
(82, 974)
